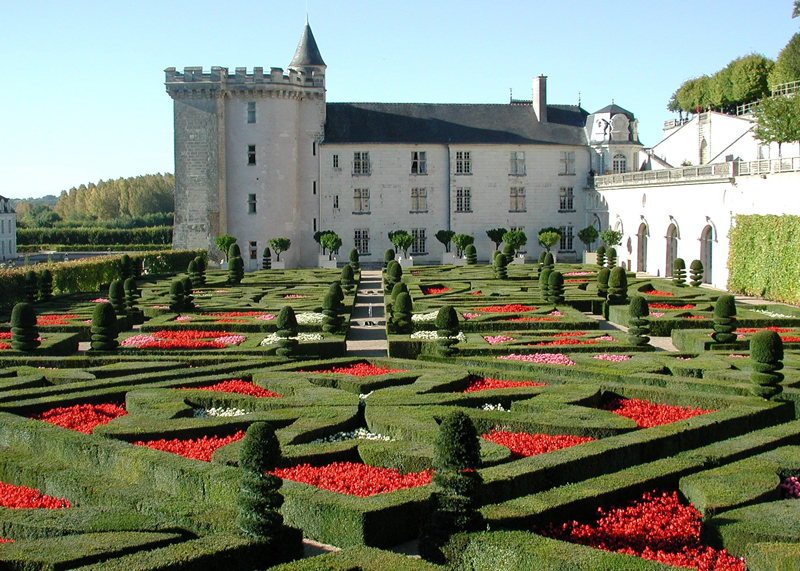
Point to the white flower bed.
(218, 411)
(497, 406)
(433, 335)
(424, 317)
(273, 338)
(309, 318)
(770, 313)
(357, 434)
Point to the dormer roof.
(615, 110)
(307, 53)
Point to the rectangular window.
(463, 162)
(419, 200)
(518, 163)
(314, 187)
(253, 250)
(361, 200)
(314, 148)
(419, 164)
(517, 199)
(251, 154)
(519, 229)
(567, 162)
(565, 198)
(420, 245)
(361, 163)
(315, 225)
(336, 201)
(251, 204)
(251, 112)
(336, 161)
(567, 238)
(361, 240)
(463, 200)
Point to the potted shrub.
(279, 246)
(330, 242)
(445, 237)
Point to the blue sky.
(83, 96)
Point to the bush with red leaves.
(657, 528)
(354, 479)
(647, 414)
(524, 444)
(238, 386)
(12, 496)
(82, 417)
(485, 384)
(433, 290)
(359, 370)
(193, 448)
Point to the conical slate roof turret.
(307, 53)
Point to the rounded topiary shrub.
(617, 286)
(542, 256)
(638, 324)
(198, 276)
(766, 359)
(347, 278)
(724, 319)
(603, 276)
(191, 270)
(601, 256)
(188, 298)
(549, 260)
(500, 266)
(104, 328)
(456, 482)
(509, 251)
(388, 256)
(555, 289)
(332, 309)
(131, 299)
(355, 260)
(234, 251)
(611, 257)
(125, 267)
(45, 285)
(266, 259)
(394, 274)
(24, 333)
(402, 309)
(30, 285)
(544, 282)
(259, 498)
(679, 272)
(235, 270)
(696, 273)
(116, 297)
(471, 255)
(447, 331)
(176, 296)
(336, 289)
(399, 288)
(287, 332)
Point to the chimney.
(540, 98)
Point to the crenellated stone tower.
(247, 155)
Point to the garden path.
(367, 335)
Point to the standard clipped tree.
(548, 239)
(496, 236)
(461, 241)
(445, 237)
(287, 333)
(331, 242)
(401, 240)
(279, 246)
(24, 333)
(456, 482)
(588, 236)
(116, 296)
(104, 328)
(778, 121)
(638, 324)
(318, 239)
(224, 243)
(724, 319)
(766, 359)
(679, 273)
(45, 285)
(516, 239)
(471, 255)
(447, 331)
(555, 289)
(696, 272)
(611, 237)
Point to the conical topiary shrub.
(24, 333)
(45, 285)
(336, 289)
(235, 270)
(30, 286)
(354, 260)
(679, 273)
(456, 482)
(125, 267)
(287, 333)
(266, 259)
(471, 255)
(131, 299)
(260, 497)
(601, 256)
(104, 328)
(234, 252)
(191, 271)
(549, 260)
(724, 319)
(394, 274)
(696, 272)
(509, 251)
(116, 296)
(638, 324)
(347, 279)
(332, 309)
(500, 266)
(602, 282)
(611, 257)
(188, 298)
(388, 256)
(447, 331)
(766, 359)
(199, 277)
(544, 283)
(176, 296)
(555, 289)
(402, 309)
(617, 286)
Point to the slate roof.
(615, 109)
(307, 52)
(435, 123)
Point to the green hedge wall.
(35, 248)
(153, 235)
(763, 259)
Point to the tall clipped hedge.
(763, 258)
(95, 236)
(89, 274)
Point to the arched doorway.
(641, 248)
(706, 243)
(672, 249)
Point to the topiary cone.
(402, 310)
(602, 282)
(259, 498)
(176, 296)
(447, 331)
(549, 260)
(45, 285)
(679, 272)
(287, 331)
(116, 296)
(500, 266)
(617, 286)
(388, 256)
(696, 273)
(347, 278)
(601, 256)
(188, 298)
(471, 255)
(336, 289)
(30, 286)
(544, 283)
(24, 333)
(354, 260)
(638, 324)
(332, 308)
(394, 274)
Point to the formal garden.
(158, 415)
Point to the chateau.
(8, 231)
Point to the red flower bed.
(670, 306)
(511, 308)
(433, 290)
(656, 292)
(359, 370)
(354, 479)
(647, 414)
(12, 496)
(476, 293)
(55, 319)
(195, 449)
(523, 444)
(238, 314)
(790, 339)
(188, 339)
(5, 346)
(570, 334)
(757, 329)
(238, 386)
(82, 417)
(485, 384)
(657, 528)
(532, 319)
(6, 335)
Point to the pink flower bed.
(612, 358)
(791, 487)
(495, 339)
(354, 479)
(477, 384)
(294, 296)
(523, 444)
(542, 359)
(471, 315)
(531, 319)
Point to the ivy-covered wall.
(764, 257)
